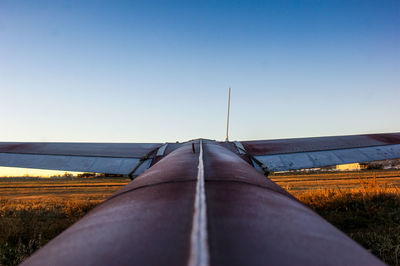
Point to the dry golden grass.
(370, 215)
(34, 211)
(26, 225)
(299, 183)
(363, 204)
(60, 189)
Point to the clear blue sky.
(155, 71)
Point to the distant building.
(348, 167)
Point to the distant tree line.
(95, 175)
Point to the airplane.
(202, 202)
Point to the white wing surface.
(301, 153)
(112, 158)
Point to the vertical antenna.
(227, 120)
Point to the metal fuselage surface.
(156, 220)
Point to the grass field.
(63, 189)
(302, 182)
(365, 205)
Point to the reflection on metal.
(161, 150)
(142, 167)
(240, 147)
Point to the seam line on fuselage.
(199, 250)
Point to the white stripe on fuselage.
(199, 251)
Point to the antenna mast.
(227, 120)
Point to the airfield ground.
(364, 204)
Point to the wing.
(301, 153)
(134, 158)
(112, 158)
